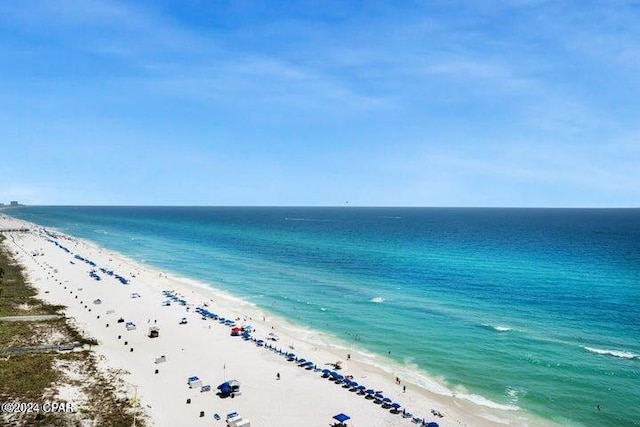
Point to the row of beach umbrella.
(337, 378)
(92, 273)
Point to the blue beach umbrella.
(433, 424)
(341, 417)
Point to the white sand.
(204, 348)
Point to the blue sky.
(411, 103)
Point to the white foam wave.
(377, 300)
(497, 328)
(616, 353)
(514, 394)
(483, 401)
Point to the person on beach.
(278, 376)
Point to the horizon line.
(317, 206)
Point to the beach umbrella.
(341, 417)
(433, 424)
(386, 399)
(396, 406)
(379, 396)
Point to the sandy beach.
(205, 348)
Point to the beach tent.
(229, 388)
(154, 332)
(194, 382)
(341, 418)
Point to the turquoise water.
(531, 308)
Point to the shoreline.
(253, 366)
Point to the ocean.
(524, 309)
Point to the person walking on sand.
(278, 376)
(404, 388)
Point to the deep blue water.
(531, 308)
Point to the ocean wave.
(497, 328)
(306, 219)
(514, 394)
(377, 300)
(616, 353)
(483, 401)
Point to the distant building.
(14, 203)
